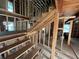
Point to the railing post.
(49, 36)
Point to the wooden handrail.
(43, 22)
(5, 12)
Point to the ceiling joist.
(71, 5)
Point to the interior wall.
(75, 30)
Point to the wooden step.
(9, 37)
(16, 54)
(31, 54)
(13, 45)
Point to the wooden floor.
(66, 53)
(75, 46)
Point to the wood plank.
(31, 54)
(13, 45)
(70, 32)
(16, 54)
(67, 17)
(55, 32)
(9, 37)
(71, 5)
(54, 40)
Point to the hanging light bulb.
(43, 29)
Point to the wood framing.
(20, 5)
(14, 5)
(49, 36)
(25, 7)
(55, 32)
(62, 38)
(28, 7)
(36, 38)
(69, 37)
(71, 5)
(43, 21)
(15, 23)
(7, 22)
(67, 17)
(5, 12)
(44, 37)
(40, 36)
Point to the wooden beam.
(67, 17)
(33, 38)
(31, 33)
(49, 35)
(20, 6)
(54, 41)
(28, 7)
(14, 5)
(70, 5)
(60, 5)
(55, 32)
(44, 37)
(25, 7)
(40, 36)
(36, 38)
(70, 32)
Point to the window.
(2, 24)
(10, 6)
(66, 28)
(11, 26)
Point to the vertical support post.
(20, 5)
(49, 37)
(15, 23)
(55, 31)
(40, 36)
(7, 22)
(28, 7)
(36, 37)
(36, 12)
(6, 4)
(62, 38)
(20, 24)
(14, 5)
(33, 38)
(69, 37)
(25, 6)
(44, 37)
